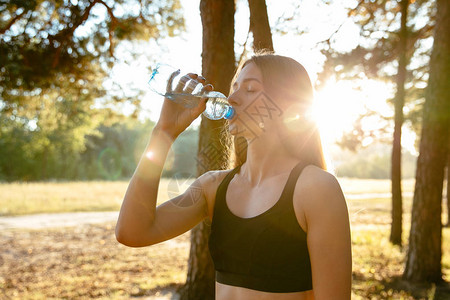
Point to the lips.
(234, 116)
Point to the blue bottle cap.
(230, 113)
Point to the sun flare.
(338, 105)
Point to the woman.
(279, 221)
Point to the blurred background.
(76, 114)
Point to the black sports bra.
(267, 252)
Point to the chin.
(238, 129)
(233, 130)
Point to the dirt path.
(41, 221)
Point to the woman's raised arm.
(140, 223)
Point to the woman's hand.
(175, 118)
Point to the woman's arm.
(140, 223)
(329, 240)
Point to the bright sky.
(337, 105)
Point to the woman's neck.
(266, 157)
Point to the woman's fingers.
(201, 79)
(207, 88)
(192, 84)
(182, 83)
(189, 83)
(170, 81)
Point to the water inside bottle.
(185, 99)
(216, 108)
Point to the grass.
(52, 197)
(55, 197)
(378, 266)
(376, 186)
(87, 262)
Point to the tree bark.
(423, 263)
(218, 65)
(399, 101)
(448, 186)
(259, 25)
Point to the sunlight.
(335, 109)
(339, 104)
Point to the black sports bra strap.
(229, 176)
(292, 180)
(290, 184)
(222, 189)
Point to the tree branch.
(110, 12)
(111, 28)
(11, 22)
(244, 51)
(328, 40)
(68, 33)
(352, 11)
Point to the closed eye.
(251, 88)
(245, 81)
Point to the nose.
(233, 99)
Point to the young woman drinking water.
(279, 220)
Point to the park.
(76, 113)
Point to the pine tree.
(218, 65)
(389, 41)
(423, 263)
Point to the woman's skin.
(318, 201)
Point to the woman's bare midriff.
(226, 292)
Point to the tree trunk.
(218, 65)
(44, 163)
(423, 263)
(448, 186)
(259, 25)
(396, 175)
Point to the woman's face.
(255, 111)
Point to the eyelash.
(248, 89)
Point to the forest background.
(86, 114)
(74, 106)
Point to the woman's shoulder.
(214, 177)
(318, 188)
(318, 195)
(313, 176)
(211, 180)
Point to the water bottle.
(164, 79)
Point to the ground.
(82, 259)
(86, 261)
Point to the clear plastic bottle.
(164, 80)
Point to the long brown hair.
(284, 77)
